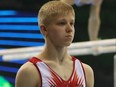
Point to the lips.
(69, 36)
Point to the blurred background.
(19, 28)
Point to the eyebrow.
(63, 19)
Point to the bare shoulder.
(87, 68)
(89, 75)
(27, 76)
(26, 69)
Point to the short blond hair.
(53, 9)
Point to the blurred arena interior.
(19, 29)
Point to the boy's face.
(61, 31)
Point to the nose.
(69, 28)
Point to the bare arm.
(94, 20)
(27, 76)
(89, 75)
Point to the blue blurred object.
(7, 12)
(19, 29)
(18, 20)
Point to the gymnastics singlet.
(50, 78)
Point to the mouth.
(69, 36)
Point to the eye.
(61, 23)
(72, 23)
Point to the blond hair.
(52, 9)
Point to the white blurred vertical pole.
(114, 70)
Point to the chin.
(68, 44)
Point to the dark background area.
(101, 64)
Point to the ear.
(43, 29)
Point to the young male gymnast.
(54, 66)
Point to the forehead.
(66, 17)
(59, 16)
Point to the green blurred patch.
(4, 82)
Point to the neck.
(58, 54)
